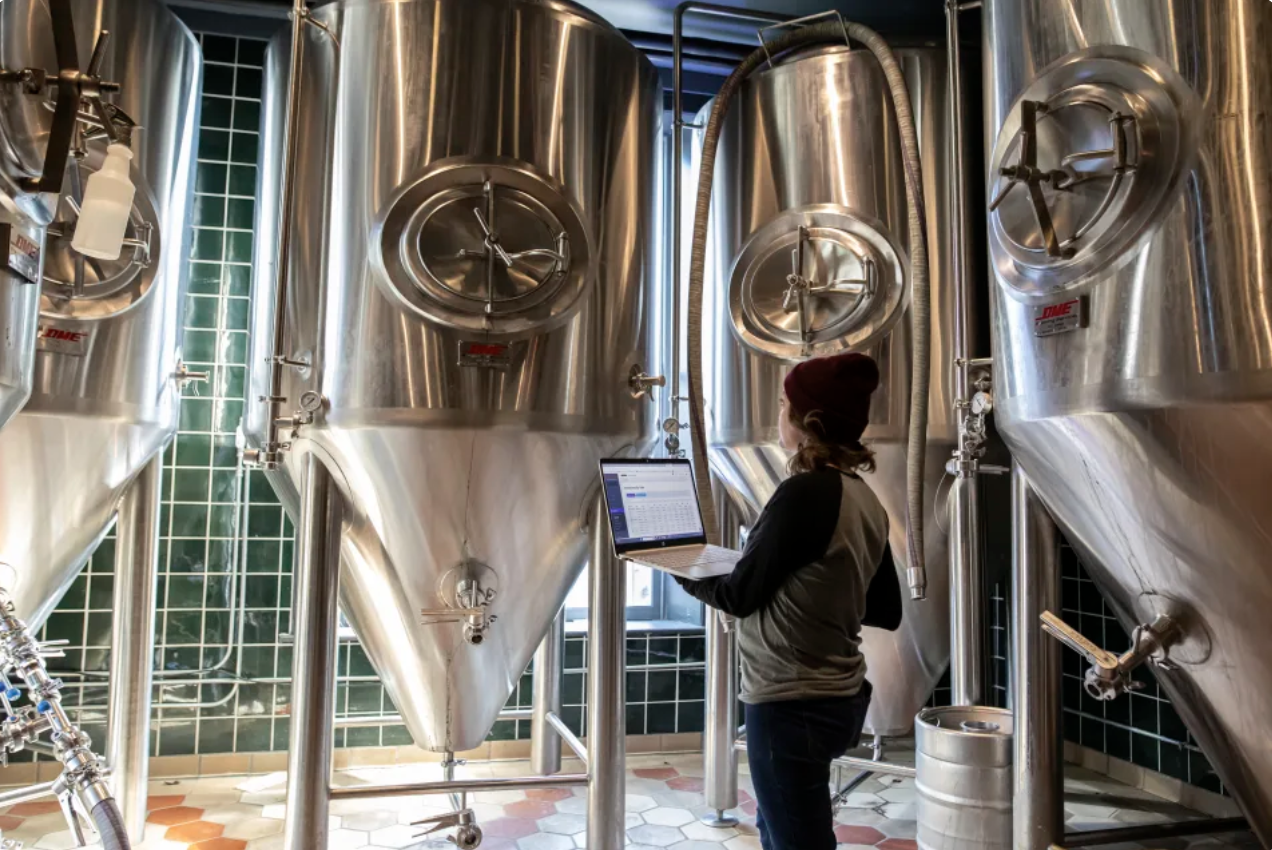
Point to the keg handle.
(1109, 675)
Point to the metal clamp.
(1027, 173)
(642, 384)
(1109, 675)
(833, 13)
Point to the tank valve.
(467, 833)
(1109, 675)
(642, 384)
(466, 592)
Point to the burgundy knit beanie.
(838, 390)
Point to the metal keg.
(964, 778)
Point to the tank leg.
(718, 753)
(607, 674)
(1039, 766)
(132, 648)
(313, 670)
(545, 743)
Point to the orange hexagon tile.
(174, 815)
(220, 844)
(162, 801)
(30, 810)
(686, 783)
(10, 822)
(194, 831)
(550, 795)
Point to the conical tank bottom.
(903, 666)
(1169, 509)
(428, 508)
(61, 479)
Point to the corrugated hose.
(110, 826)
(920, 298)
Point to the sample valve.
(1109, 675)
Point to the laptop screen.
(651, 504)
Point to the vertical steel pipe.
(607, 674)
(719, 755)
(968, 675)
(314, 666)
(545, 743)
(1039, 765)
(132, 645)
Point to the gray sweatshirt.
(817, 567)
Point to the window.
(644, 595)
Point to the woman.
(817, 567)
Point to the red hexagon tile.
(858, 834)
(663, 773)
(511, 828)
(10, 822)
(898, 844)
(530, 809)
(551, 795)
(686, 783)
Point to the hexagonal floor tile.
(698, 831)
(512, 828)
(194, 831)
(546, 841)
(661, 773)
(639, 803)
(659, 836)
(743, 842)
(663, 816)
(563, 824)
(867, 835)
(530, 809)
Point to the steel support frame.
(132, 650)
(309, 786)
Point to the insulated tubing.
(110, 826)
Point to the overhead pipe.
(920, 304)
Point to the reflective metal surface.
(468, 386)
(104, 400)
(19, 317)
(813, 143)
(963, 777)
(1146, 432)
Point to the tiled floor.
(664, 801)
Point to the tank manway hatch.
(486, 246)
(815, 281)
(1084, 164)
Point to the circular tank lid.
(1089, 157)
(815, 281)
(485, 246)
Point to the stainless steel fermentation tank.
(105, 399)
(470, 306)
(1133, 326)
(809, 183)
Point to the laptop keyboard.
(706, 555)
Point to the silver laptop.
(653, 511)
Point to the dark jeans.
(790, 746)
